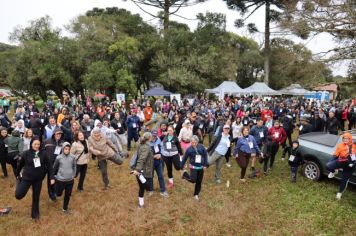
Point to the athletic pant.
(22, 188)
(67, 187)
(142, 187)
(170, 161)
(274, 151)
(81, 171)
(243, 160)
(196, 176)
(286, 149)
(11, 160)
(294, 171)
(3, 158)
(104, 170)
(130, 136)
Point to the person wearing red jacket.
(266, 112)
(278, 136)
(344, 116)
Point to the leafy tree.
(99, 76)
(250, 7)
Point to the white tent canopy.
(260, 88)
(294, 89)
(226, 87)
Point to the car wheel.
(312, 170)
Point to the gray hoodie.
(65, 166)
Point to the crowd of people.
(60, 139)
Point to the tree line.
(111, 50)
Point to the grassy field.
(269, 205)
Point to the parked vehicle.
(317, 149)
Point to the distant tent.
(157, 92)
(260, 88)
(294, 89)
(226, 87)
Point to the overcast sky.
(19, 12)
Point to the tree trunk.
(166, 16)
(267, 43)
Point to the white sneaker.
(164, 194)
(331, 175)
(338, 196)
(196, 197)
(228, 165)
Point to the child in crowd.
(295, 160)
(65, 169)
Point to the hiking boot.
(196, 197)
(331, 175)
(338, 196)
(228, 165)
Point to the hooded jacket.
(102, 148)
(15, 142)
(64, 166)
(51, 145)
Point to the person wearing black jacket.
(53, 147)
(305, 127)
(288, 126)
(332, 124)
(34, 165)
(318, 123)
(4, 120)
(119, 126)
(3, 150)
(295, 160)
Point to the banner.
(120, 97)
(177, 97)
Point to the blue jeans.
(157, 166)
(346, 172)
(333, 164)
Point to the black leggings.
(228, 154)
(82, 170)
(196, 176)
(274, 151)
(142, 187)
(22, 187)
(67, 187)
(11, 160)
(170, 161)
(3, 157)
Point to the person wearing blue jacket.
(259, 132)
(155, 145)
(133, 127)
(198, 162)
(245, 148)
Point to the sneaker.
(150, 193)
(331, 175)
(164, 194)
(338, 196)
(265, 173)
(53, 198)
(170, 185)
(67, 212)
(218, 181)
(196, 197)
(5, 211)
(105, 189)
(228, 165)
(80, 190)
(140, 206)
(243, 180)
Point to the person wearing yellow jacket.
(344, 158)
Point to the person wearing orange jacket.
(148, 113)
(278, 135)
(344, 157)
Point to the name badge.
(276, 135)
(42, 120)
(211, 123)
(149, 113)
(174, 125)
(134, 125)
(280, 110)
(119, 125)
(262, 135)
(21, 116)
(31, 113)
(6, 145)
(58, 150)
(156, 149)
(198, 159)
(254, 121)
(37, 162)
(300, 128)
(109, 116)
(293, 115)
(245, 122)
(48, 114)
(291, 158)
(250, 144)
(169, 145)
(201, 126)
(88, 128)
